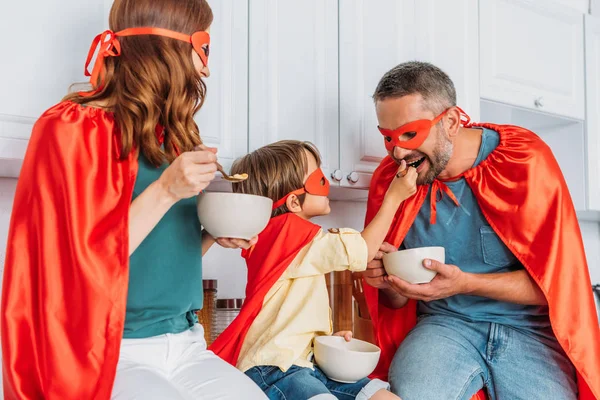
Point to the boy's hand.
(229, 243)
(404, 185)
(347, 335)
(375, 274)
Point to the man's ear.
(293, 203)
(452, 122)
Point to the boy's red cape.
(66, 272)
(277, 246)
(522, 194)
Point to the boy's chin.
(326, 211)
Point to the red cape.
(277, 246)
(522, 194)
(66, 272)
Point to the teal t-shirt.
(474, 247)
(165, 271)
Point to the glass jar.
(206, 314)
(225, 312)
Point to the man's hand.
(375, 273)
(449, 281)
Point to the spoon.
(236, 178)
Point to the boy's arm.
(336, 250)
(374, 234)
(403, 186)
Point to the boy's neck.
(302, 215)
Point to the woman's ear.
(293, 203)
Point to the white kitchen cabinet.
(531, 54)
(223, 119)
(375, 37)
(44, 50)
(581, 6)
(564, 136)
(447, 36)
(592, 43)
(107, 6)
(293, 76)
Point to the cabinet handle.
(353, 177)
(337, 175)
(539, 102)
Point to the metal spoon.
(236, 178)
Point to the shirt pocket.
(494, 251)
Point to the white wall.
(228, 267)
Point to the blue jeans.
(446, 357)
(299, 383)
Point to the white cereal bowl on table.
(408, 264)
(345, 362)
(233, 215)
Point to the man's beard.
(437, 162)
(441, 156)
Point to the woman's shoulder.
(70, 114)
(70, 124)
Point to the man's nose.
(399, 153)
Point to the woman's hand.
(189, 174)
(229, 243)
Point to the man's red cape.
(277, 246)
(523, 196)
(67, 261)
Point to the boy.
(287, 304)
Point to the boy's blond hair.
(275, 170)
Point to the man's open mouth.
(416, 163)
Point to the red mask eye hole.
(322, 181)
(410, 135)
(388, 138)
(206, 50)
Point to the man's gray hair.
(424, 78)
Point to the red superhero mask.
(412, 135)
(110, 46)
(316, 184)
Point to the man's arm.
(513, 287)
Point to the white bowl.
(234, 215)
(408, 264)
(345, 362)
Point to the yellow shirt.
(296, 309)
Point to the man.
(512, 311)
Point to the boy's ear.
(293, 204)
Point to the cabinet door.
(532, 55)
(375, 36)
(223, 119)
(40, 60)
(581, 6)
(592, 42)
(293, 76)
(447, 35)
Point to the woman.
(104, 260)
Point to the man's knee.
(427, 367)
(421, 385)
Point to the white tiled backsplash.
(228, 267)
